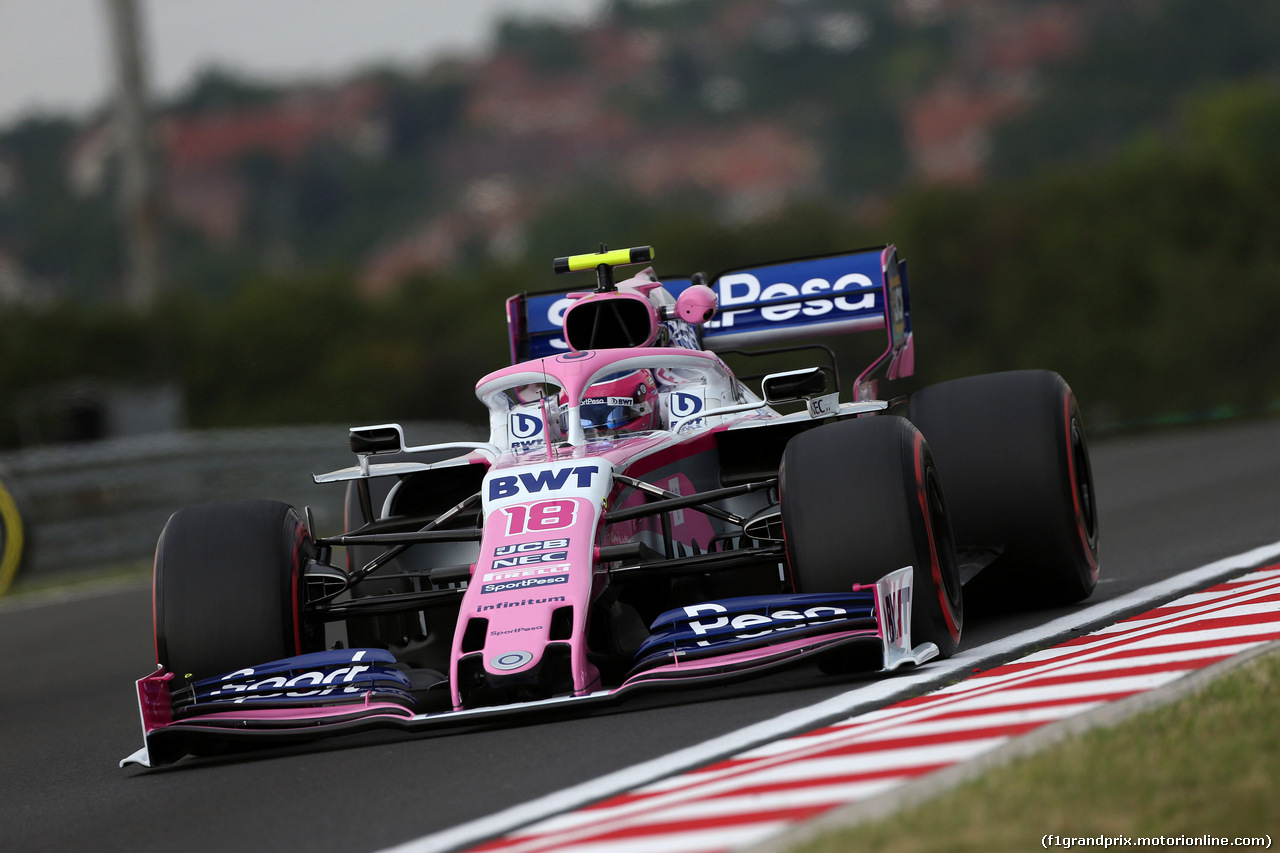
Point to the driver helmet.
(621, 402)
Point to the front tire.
(862, 498)
(227, 588)
(1011, 448)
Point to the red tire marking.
(935, 564)
(1075, 493)
(155, 616)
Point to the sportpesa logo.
(756, 624)
(745, 289)
(523, 583)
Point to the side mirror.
(371, 440)
(697, 304)
(794, 385)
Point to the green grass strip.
(113, 574)
(1208, 764)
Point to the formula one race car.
(639, 517)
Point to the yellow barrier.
(10, 538)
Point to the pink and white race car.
(638, 517)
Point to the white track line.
(876, 693)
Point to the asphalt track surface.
(1168, 502)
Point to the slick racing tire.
(228, 588)
(1015, 467)
(11, 538)
(862, 498)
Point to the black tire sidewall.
(938, 606)
(1003, 444)
(855, 502)
(227, 587)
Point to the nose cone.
(521, 627)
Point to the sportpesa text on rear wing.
(786, 300)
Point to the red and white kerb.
(763, 791)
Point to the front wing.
(352, 690)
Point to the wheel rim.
(943, 545)
(1085, 493)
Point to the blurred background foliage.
(1124, 231)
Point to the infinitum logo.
(501, 605)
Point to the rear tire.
(227, 589)
(862, 498)
(1015, 464)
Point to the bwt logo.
(896, 608)
(685, 405)
(542, 481)
(525, 426)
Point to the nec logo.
(542, 481)
(685, 405)
(824, 407)
(529, 559)
(525, 426)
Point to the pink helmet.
(621, 402)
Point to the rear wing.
(788, 300)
